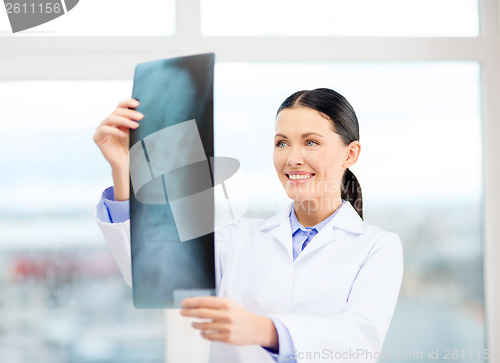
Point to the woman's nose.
(295, 158)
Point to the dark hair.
(345, 123)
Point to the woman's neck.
(309, 215)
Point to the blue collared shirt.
(301, 235)
(111, 211)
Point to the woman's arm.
(112, 137)
(113, 218)
(117, 236)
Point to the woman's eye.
(310, 141)
(279, 143)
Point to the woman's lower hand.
(230, 322)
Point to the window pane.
(419, 18)
(107, 18)
(419, 167)
(62, 298)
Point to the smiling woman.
(312, 277)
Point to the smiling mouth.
(299, 176)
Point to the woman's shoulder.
(238, 233)
(349, 221)
(369, 237)
(244, 225)
(378, 232)
(383, 243)
(252, 225)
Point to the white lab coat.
(336, 299)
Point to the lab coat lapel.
(346, 219)
(279, 228)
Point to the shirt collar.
(346, 219)
(295, 224)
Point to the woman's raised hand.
(112, 138)
(112, 135)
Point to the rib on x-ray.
(173, 174)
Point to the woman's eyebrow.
(303, 135)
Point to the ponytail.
(351, 191)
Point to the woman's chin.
(298, 197)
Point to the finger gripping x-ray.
(184, 180)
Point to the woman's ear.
(352, 154)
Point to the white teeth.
(294, 177)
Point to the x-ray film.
(171, 182)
